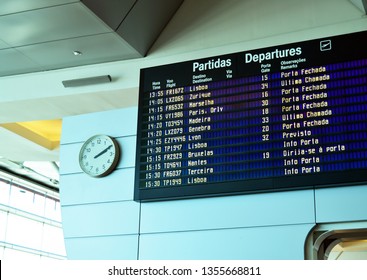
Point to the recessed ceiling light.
(77, 52)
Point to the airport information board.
(278, 118)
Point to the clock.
(99, 155)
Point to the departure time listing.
(213, 132)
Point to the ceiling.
(41, 35)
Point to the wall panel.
(80, 188)
(101, 219)
(260, 243)
(120, 122)
(120, 247)
(228, 212)
(341, 204)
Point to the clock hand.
(101, 153)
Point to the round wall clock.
(99, 155)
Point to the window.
(339, 241)
(30, 221)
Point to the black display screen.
(284, 117)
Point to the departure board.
(279, 118)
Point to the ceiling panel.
(3, 45)
(111, 12)
(50, 24)
(16, 6)
(95, 49)
(360, 4)
(140, 22)
(11, 61)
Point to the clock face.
(99, 155)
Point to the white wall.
(101, 221)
